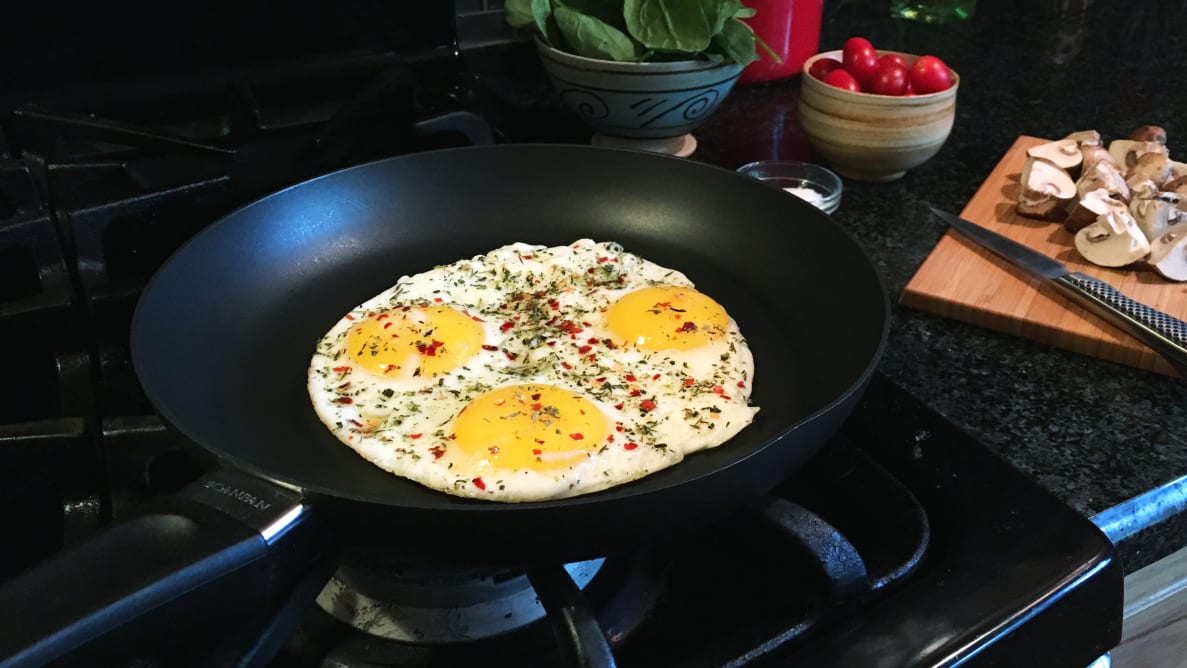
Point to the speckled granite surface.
(1092, 432)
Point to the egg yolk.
(538, 427)
(416, 341)
(665, 317)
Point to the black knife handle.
(1166, 334)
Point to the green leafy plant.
(642, 30)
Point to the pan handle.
(188, 564)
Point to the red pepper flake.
(344, 400)
(527, 257)
(663, 304)
(629, 445)
(630, 378)
(345, 385)
(618, 405)
(655, 377)
(647, 405)
(437, 451)
(609, 344)
(536, 406)
(635, 393)
(540, 441)
(550, 343)
(600, 379)
(349, 316)
(438, 299)
(590, 270)
(491, 348)
(389, 368)
(584, 349)
(415, 436)
(494, 449)
(603, 259)
(566, 365)
(506, 326)
(341, 369)
(535, 396)
(537, 451)
(510, 355)
(476, 319)
(578, 436)
(610, 438)
(554, 304)
(356, 422)
(386, 325)
(594, 341)
(592, 358)
(688, 382)
(688, 327)
(618, 427)
(717, 389)
(741, 383)
(478, 483)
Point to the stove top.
(904, 543)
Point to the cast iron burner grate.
(827, 542)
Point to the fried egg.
(532, 373)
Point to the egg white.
(542, 312)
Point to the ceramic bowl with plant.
(642, 73)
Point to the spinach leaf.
(608, 11)
(593, 38)
(669, 25)
(518, 13)
(720, 11)
(736, 42)
(542, 15)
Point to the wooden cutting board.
(960, 280)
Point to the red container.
(791, 28)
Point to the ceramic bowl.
(868, 137)
(640, 104)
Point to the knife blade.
(1164, 333)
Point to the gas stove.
(903, 543)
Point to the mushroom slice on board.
(1046, 189)
(1126, 151)
(1114, 240)
(1168, 253)
(1090, 207)
(1105, 175)
(1064, 153)
(1154, 216)
(1153, 166)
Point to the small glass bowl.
(812, 183)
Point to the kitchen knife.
(1165, 334)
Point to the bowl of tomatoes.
(876, 114)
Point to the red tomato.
(822, 67)
(890, 79)
(842, 79)
(859, 58)
(930, 75)
(891, 58)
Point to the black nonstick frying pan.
(223, 335)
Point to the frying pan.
(223, 334)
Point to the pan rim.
(624, 492)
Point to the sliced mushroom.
(1178, 169)
(1085, 212)
(1114, 240)
(1153, 166)
(1104, 174)
(1085, 138)
(1046, 189)
(1153, 215)
(1064, 153)
(1168, 253)
(1094, 154)
(1176, 185)
(1125, 152)
(1149, 133)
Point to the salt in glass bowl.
(812, 183)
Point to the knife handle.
(1165, 334)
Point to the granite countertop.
(1094, 433)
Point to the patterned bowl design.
(639, 100)
(869, 137)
